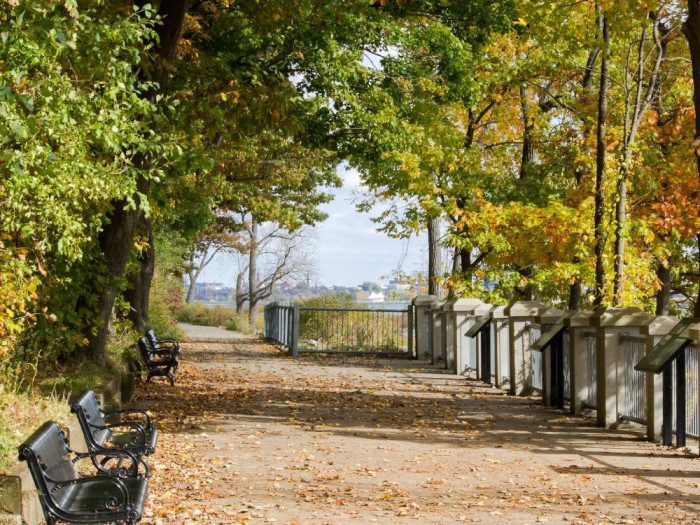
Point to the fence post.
(295, 331)
(410, 331)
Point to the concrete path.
(252, 436)
(194, 333)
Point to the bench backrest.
(87, 408)
(146, 350)
(152, 339)
(49, 462)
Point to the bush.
(221, 315)
(196, 313)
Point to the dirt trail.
(252, 436)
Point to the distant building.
(376, 297)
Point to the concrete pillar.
(546, 319)
(423, 326)
(459, 349)
(435, 314)
(520, 314)
(501, 344)
(610, 323)
(576, 323)
(654, 332)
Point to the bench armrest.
(129, 424)
(130, 411)
(112, 453)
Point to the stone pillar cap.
(578, 318)
(525, 309)
(694, 332)
(660, 325)
(620, 317)
(498, 312)
(469, 305)
(424, 300)
(549, 316)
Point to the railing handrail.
(332, 309)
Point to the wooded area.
(557, 141)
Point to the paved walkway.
(195, 333)
(252, 436)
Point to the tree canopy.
(133, 130)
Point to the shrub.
(221, 314)
(195, 313)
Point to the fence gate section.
(306, 329)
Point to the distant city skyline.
(348, 250)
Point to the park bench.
(67, 497)
(158, 343)
(163, 362)
(137, 439)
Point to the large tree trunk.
(576, 287)
(434, 258)
(116, 238)
(252, 274)
(115, 243)
(601, 131)
(691, 30)
(192, 274)
(137, 295)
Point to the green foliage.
(330, 300)
(195, 313)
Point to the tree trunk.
(620, 221)
(115, 241)
(691, 30)
(528, 151)
(240, 295)
(116, 238)
(663, 296)
(434, 259)
(601, 130)
(252, 273)
(192, 274)
(575, 290)
(137, 295)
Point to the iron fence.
(692, 415)
(566, 362)
(304, 329)
(279, 324)
(633, 405)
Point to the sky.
(347, 249)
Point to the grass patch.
(22, 414)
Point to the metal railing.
(304, 329)
(566, 358)
(331, 330)
(692, 414)
(535, 332)
(633, 405)
(279, 324)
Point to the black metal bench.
(159, 363)
(67, 497)
(137, 439)
(158, 343)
